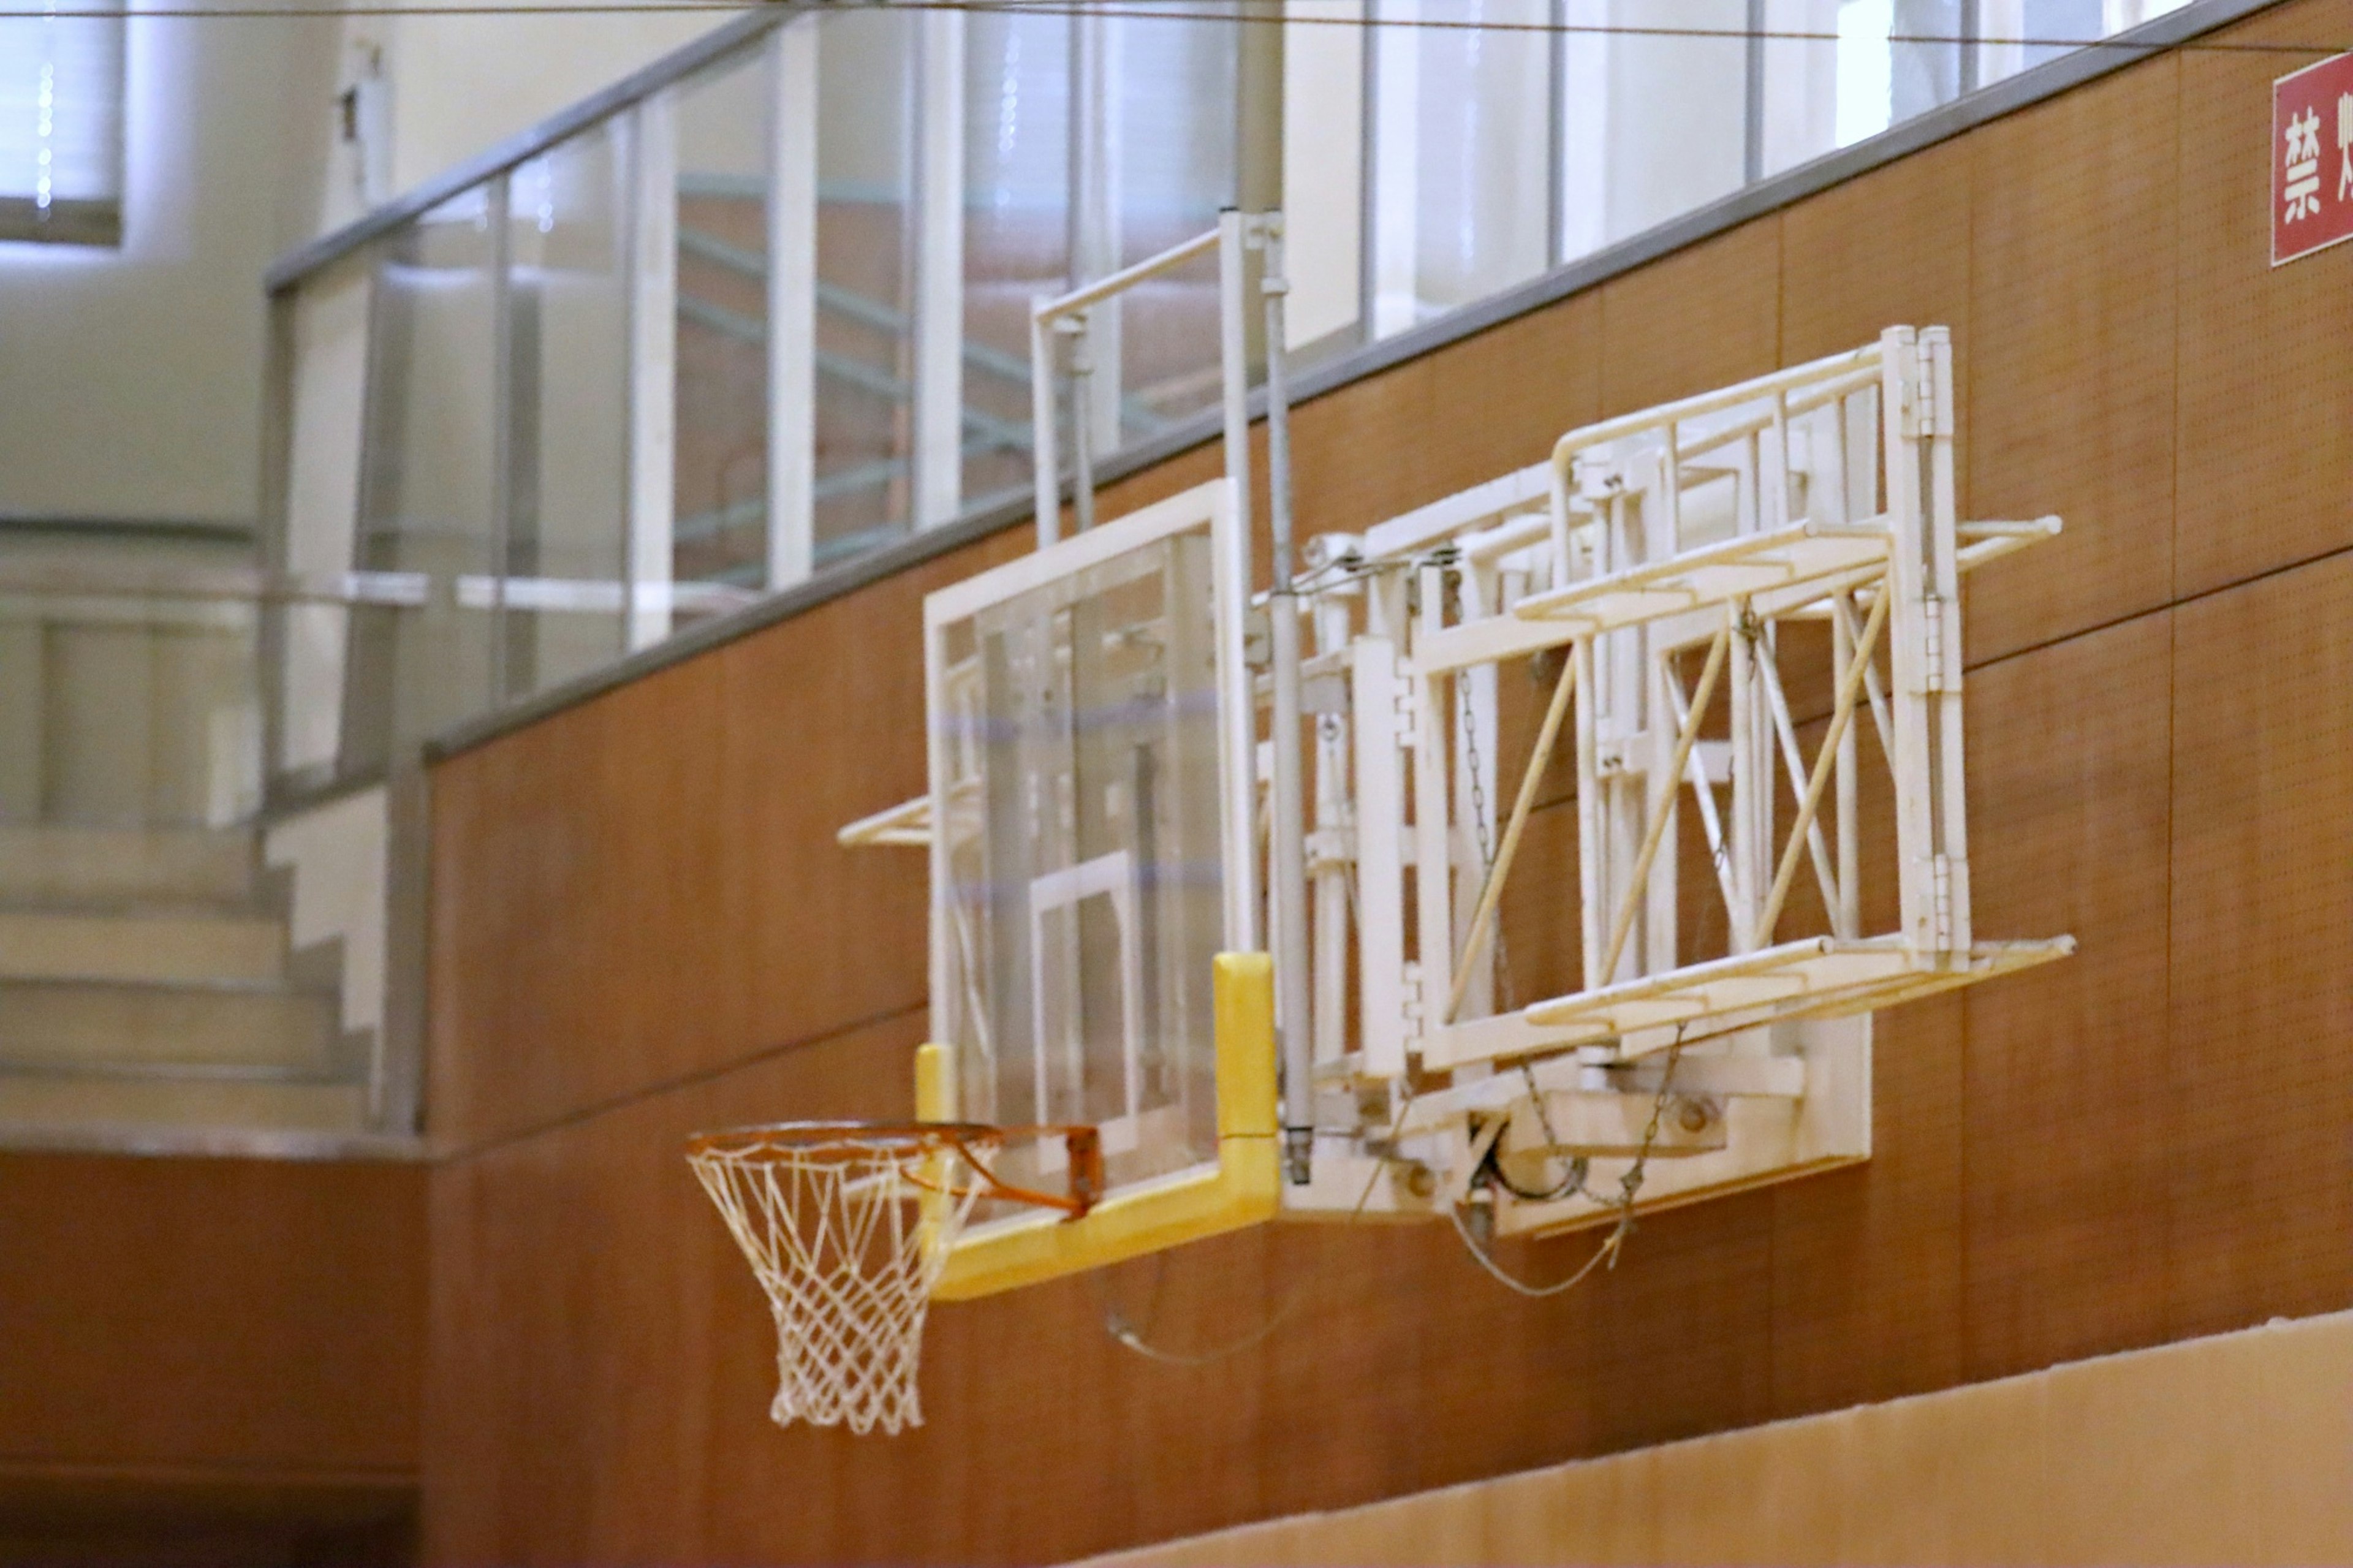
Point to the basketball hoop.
(847, 1225)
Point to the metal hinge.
(1409, 710)
(1927, 419)
(1409, 998)
(1932, 638)
(1940, 899)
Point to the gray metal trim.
(1967, 113)
(673, 67)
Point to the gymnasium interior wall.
(642, 926)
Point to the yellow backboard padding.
(1243, 1190)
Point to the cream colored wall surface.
(462, 84)
(2232, 1449)
(338, 854)
(130, 378)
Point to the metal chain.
(1469, 726)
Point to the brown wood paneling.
(1866, 1261)
(1891, 249)
(70, 1516)
(2071, 345)
(2260, 1167)
(578, 869)
(254, 1315)
(1700, 319)
(647, 886)
(2263, 466)
(2066, 1148)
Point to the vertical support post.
(1847, 920)
(1393, 112)
(1944, 586)
(1236, 702)
(1476, 781)
(792, 302)
(1591, 895)
(1433, 836)
(947, 994)
(1914, 668)
(1045, 462)
(1380, 860)
(1328, 871)
(500, 196)
(653, 367)
(1659, 722)
(939, 267)
(1080, 330)
(1752, 852)
(282, 351)
(1752, 148)
(1287, 842)
(1094, 238)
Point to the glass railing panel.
(428, 490)
(1167, 167)
(326, 323)
(1860, 67)
(2017, 34)
(1016, 148)
(865, 367)
(566, 547)
(1461, 139)
(718, 127)
(1654, 124)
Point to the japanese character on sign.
(2344, 145)
(2303, 192)
(2310, 210)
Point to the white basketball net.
(847, 1235)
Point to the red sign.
(2312, 159)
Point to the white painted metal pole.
(792, 303)
(1288, 844)
(1242, 915)
(653, 368)
(939, 267)
(1045, 478)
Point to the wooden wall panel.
(2065, 1146)
(2260, 1167)
(1891, 249)
(647, 886)
(2146, 1143)
(1697, 320)
(2071, 371)
(255, 1316)
(1867, 1262)
(2263, 464)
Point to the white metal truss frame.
(1660, 558)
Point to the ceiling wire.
(1219, 11)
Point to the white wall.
(463, 83)
(130, 378)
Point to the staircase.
(148, 996)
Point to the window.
(61, 125)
